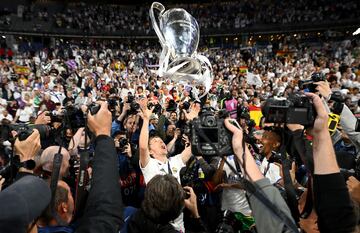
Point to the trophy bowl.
(181, 31)
(178, 30)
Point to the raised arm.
(264, 218)
(144, 133)
(103, 211)
(331, 197)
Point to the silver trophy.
(179, 37)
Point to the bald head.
(47, 158)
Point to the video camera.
(309, 83)
(214, 128)
(297, 109)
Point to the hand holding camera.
(43, 119)
(100, 123)
(127, 150)
(324, 88)
(237, 136)
(28, 148)
(321, 121)
(191, 202)
(194, 112)
(145, 112)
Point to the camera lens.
(210, 121)
(123, 142)
(134, 106)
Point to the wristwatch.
(28, 164)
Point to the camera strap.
(169, 168)
(83, 176)
(288, 183)
(54, 182)
(266, 169)
(82, 180)
(252, 189)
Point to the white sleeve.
(177, 161)
(150, 170)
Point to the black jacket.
(103, 211)
(333, 204)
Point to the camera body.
(214, 128)
(157, 108)
(275, 157)
(134, 106)
(309, 83)
(297, 109)
(24, 131)
(123, 142)
(228, 223)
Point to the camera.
(189, 176)
(309, 83)
(157, 108)
(171, 106)
(186, 105)
(275, 157)
(123, 142)
(214, 128)
(134, 106)
(74, 117)
(297, 109)
(228, 223)
(112, 103)
(24, 131)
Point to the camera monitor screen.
(212, 134)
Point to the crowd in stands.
(89, 18)
(141, 148)
(228, 15)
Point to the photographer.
(127, 121)
(131, 178)
(331, 197)
(104, 205)
(233, 197)
(265, 221)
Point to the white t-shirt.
(156, 167)
(24, 114)
(9, 117)
(270, 171)
(172, 166)
(234, 199)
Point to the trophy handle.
(158, 6)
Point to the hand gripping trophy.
(179, 37)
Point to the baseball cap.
(23, 201)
